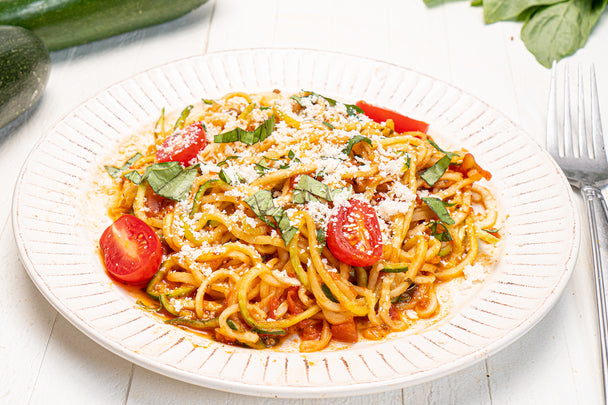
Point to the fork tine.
(583, 150)
(596, 122)
(552, 122)
(567, 126)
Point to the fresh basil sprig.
(247, 137)
(552, 29)
(168, 179)
(262, 205)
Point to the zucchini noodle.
(246, 257)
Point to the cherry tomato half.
(353, 234)
(132, 251)
(184, 145)
(402, 123)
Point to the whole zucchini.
(24, 70)
(64, 23)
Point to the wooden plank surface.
(47, 360)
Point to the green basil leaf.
(292, 155)
(321, 238)
(491, 230)
(225, 161)
(208, 101)
(247, 137)
(134, 177)
(355, 140)
(434, 173)
(225, 178)
(328, 125)
(307, 188)
(298, 100)
(438, 207)
(118, 172)
(449, 154)
(262, 205)
(440, 236)
(170, 179)
(556, 31)
(351, 109)
(502, 10)
(262, 167)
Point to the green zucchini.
(64, 23)
(24, 70)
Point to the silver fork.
(578, 148)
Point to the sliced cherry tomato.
(132, 251)
(184, 145)
(402, 123)
(353, 234)
(345, 332)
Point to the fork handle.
(595, 204)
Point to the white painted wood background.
(45, 360)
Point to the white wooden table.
(47, 360)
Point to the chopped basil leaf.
(225, 161)
(118, 172)
(347, 191)
(262, 205)
(355, 140)
(265, 107)
(168, 179)
(328, 292)
(208, 101)
(408, 162)
(225, 178)
(262, 167)
(247, 137)
(307, 188)
(439, 208)
(179, 123)
(491, 230)
(292, 155)
(321, 238)
(328, 125)
(298, 100)
(351, 109)
(434, 173)
(450, 154)
(440, 236)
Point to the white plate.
(57, 223)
